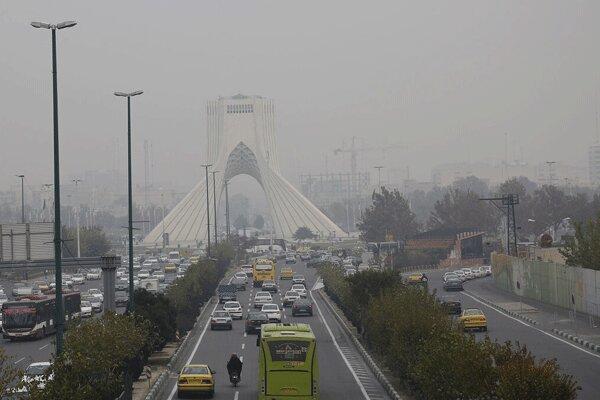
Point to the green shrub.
(161, 314)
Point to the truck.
(227, 293)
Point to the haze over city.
(447, 80)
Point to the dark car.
(302, 307)
(121, 298)
(121, 286)
(451, 305)
(453, 284)
(227, 293)
(269, 286)
(254, 320)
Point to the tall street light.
(378, 168)
(207, 212)
(59, 317)
(227, 228)
(130, 303)
(22, 198)
(215, 204)
(76, 181)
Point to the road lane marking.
(44, 346)
(19, 360)
(236, 395)
(189, 360)
(337, 346)
(242, 358)
(245, 334)
(533, 327)
(243, 345)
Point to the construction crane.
(353, 150)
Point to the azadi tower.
(241, 140)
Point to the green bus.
(287, 363)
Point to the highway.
(343, 372)
(582, 363)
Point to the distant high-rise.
(594, 163)
(242, 140)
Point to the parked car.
(234, 309)
(273, 312)
(487, 269)
(254, 321)
(220, 320)
(302, 307)
(468, 273)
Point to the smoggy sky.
(446, 78)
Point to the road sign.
(26, 242)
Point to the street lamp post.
(215, 205)
(76, 181)
(22, 197)
(130, 303)
(59, 322)
(207, 212)
(378, 168)
(228, 229)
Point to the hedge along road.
(343, 374)
(583, 364)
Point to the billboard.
(26, 242)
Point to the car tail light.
(182, 380)
(206, 381)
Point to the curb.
(504, 310)
(381, 378)
(576, 339)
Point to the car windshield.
(270, 307)
(473, 311)
(296, 287)
(86, 304)
(195, 370)
(453, 279)
(36, 369)
(298, 277)
(241, 275)
(257, 316)
(232, 304)
(292, 294)
(263, 294)
(19, 317)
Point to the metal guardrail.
(49, 263)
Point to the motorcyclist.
(234, 365)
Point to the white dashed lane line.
(19, 360)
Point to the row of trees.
(459, 206)
(409, 331)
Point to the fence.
(549, 282)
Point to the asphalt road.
(343, 374)
(582, 363)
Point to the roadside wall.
(549, 282)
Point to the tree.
(159, 312)
(463, 209)
(241, 222)
(303, 233)
(472, 184)
(389, 214)
(94, 242)
(584, 249)
(259, 222)
(9, 374)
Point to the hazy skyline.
(449, 79)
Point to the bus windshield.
(264, 267)
(19, 317)
(289, 350)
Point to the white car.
(298, 279)
(468, 273)
(449, 275)
(3, 299)
(241, 276)
(478, 272)
(158, 275)
(78, 279)
(96, 293)
(290, 297)
(487, 269)
(300, 289)
(120, 272)
(86, 309)
(261, 298)
(143, 274)
(93, 275)
(461, 275)
(34, 373)
(234, 309)
(147, 265)
(273, 312)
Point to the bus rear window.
(288, 350)
(264, 267)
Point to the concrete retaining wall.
(549, 282)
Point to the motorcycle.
(234, 378)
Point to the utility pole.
(59, 322)
(215, 204)
(76, 181)
(207, 211)
(509, 201)
(378, 168)
(227, 227)
(22, 197)
(162, 205)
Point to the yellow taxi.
(473, 318)
(196, 379)
(286, 273)
(170, 268)
(194, 259)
